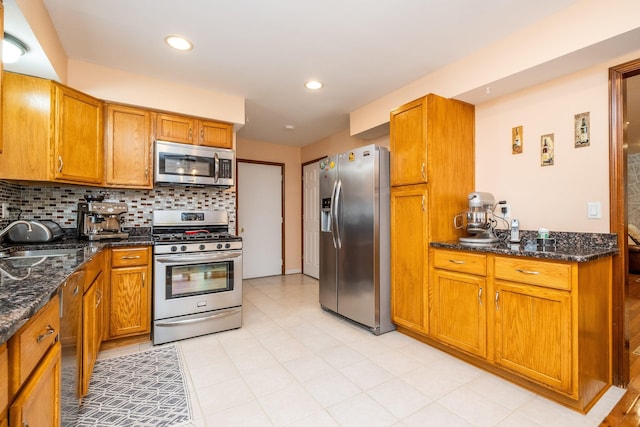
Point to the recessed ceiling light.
(313, 85)
(178, 42)
(289, 127)
(12, 49)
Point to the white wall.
(555, 196)
(119, 86)
(582, 35)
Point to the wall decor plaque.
(582, 128)
(546, 150)
(516, 140)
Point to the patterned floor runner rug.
(141, 389)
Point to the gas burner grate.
(181, 237)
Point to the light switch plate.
(594, 210)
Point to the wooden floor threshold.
(627, 411)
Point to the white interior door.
(260, 218)
(311, 221)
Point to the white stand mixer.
(479, 220)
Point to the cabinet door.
(92, 314)
(215, 134)
(78, 144)
(128, 147)
(533, 333)
(38, 403)
(409, 297)
(408, 143)
(4, 380)
(129, 312)
(458, 311)
(175, 128)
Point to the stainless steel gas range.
(197, 279)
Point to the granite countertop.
(27, 284)
(575, 247)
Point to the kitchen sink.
(37, 253)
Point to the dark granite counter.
(575, 247)
(27, 284)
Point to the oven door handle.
(195, 258)
(226, 313)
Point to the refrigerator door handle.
(332, 222)
(337, 240)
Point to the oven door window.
(197, 279)
(171, 164)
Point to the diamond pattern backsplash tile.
(60, 203)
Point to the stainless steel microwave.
(193, 164)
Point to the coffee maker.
(101, 220)
(480, 221)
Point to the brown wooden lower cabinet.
(34, 369)
(4, 383)
(544, 324)
(129, 307)
(92, 326)
(409, 251)
(38, 403)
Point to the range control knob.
(227, 245)
(202, 247)
(174, 248)
(219, 246)
(183, 248)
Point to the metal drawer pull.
(61, 163)
(480, 296)
(497, 300)
(424, 175)
(50, 331)
(456, 261)
(527, 271)
(131, 257)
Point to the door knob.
(242, 229)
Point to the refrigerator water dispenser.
(325, 215)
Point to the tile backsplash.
(60, 203)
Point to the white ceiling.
(265, 50)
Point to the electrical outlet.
(505, 210)
(5, 211)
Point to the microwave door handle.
(216, 167)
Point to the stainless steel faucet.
(13, 224)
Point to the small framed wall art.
(582, 128)
(546, 150)
(516, 140)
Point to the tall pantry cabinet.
(432, 172)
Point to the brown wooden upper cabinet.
(128, 162)
(408, 128)
(188, 130)
(50, 132)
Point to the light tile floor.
(293, 364)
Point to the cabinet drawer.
(543, 273)
(462, 262)
(31, 342)
(129, 257)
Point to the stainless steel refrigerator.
(354, 237)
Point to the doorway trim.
(282, 204)
(302, 206)
(618, 219)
